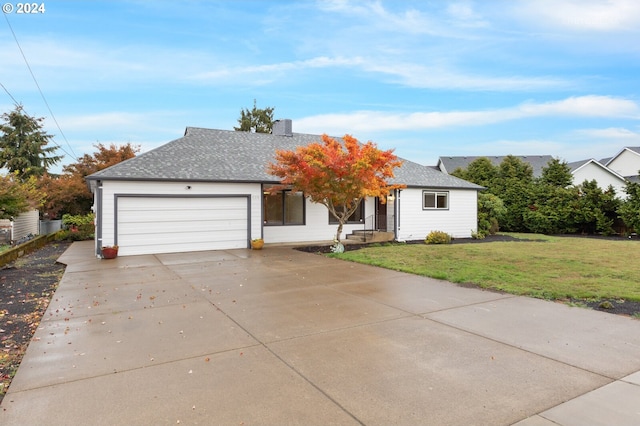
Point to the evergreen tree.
(630, 209)
(256, 120)
(514, 185)
(480, 171)
(557, 173)
(23, 145)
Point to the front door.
(381, 216)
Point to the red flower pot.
(109, 252)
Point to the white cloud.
(583, 15)
(270, 72)
(442, 77)
(624, 136)
(371, 121)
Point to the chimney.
(282, 127)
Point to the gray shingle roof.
(229, 156)
(537, 162)
(575, 165)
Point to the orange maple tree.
(68, 193)
(338, 174)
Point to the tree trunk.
(339, 232)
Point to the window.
(356, 217)
(284, 207)
(435, 200)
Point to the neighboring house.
(583, 170)
(594, 170)
(208, 190)
(450, 164)
(21, 226)
(626, 163)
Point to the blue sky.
(428, 78)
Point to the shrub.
(79, 227)
(479, 235)
(438, 237)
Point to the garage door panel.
(177, 216)
(139, 240)
(181, 226)
(148, 225)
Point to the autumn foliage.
(338, 174)
(68, 193)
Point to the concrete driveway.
(283, 337)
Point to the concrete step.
(370, 236)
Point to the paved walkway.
(282, 337)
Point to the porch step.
(370, 236)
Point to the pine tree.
(23, 145)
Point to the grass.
(548, 267)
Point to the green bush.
(78, 227)
(479, 235)
(438, 237)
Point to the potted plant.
(257, 243)
(109, 252)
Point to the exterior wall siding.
(626, 164)
(459, 220)
(24, 224)
(317, 227)
(111, 188)
(604, 178)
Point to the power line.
(41, 93)
(10, 95)
(17, 104)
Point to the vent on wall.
(282, 127)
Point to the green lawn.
(550, 267)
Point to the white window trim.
(437, 194)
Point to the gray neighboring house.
(450, 164)
(208, 191)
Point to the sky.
(426, 78)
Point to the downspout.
(396, 216)
(98, 206)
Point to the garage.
(168, 224)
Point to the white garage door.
(150, 225)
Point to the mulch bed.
(26, 287)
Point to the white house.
(208, 190)
(626, 163)
(594, 170)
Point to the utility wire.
(10, 95)
(39, 90)
(16, 103)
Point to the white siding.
(591, 171)
(459, 220)
(112, 188)
(24, 224)
(627, 163)
(317, 227)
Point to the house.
(208, 190)
(626, 163)
(594, 170)
(450, 164)
(20, 227)
(581, 170)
